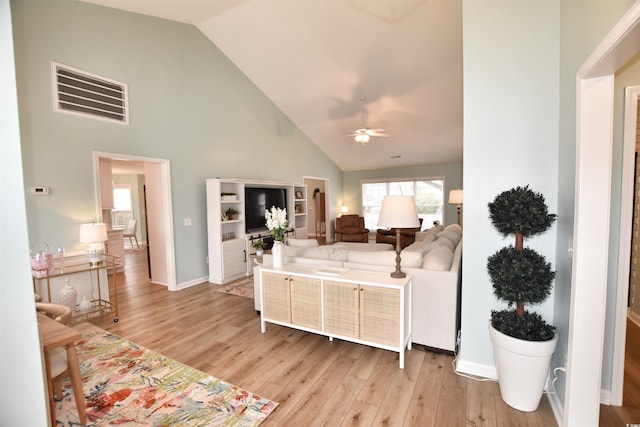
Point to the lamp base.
(398, 275)
(95, 255)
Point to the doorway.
(158, 221)
(628, 262)
(318, 209)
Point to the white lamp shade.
(398, 212)
(455, 197)
(344, 209)
(93, 233)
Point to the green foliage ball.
(520, 277)
(520, 209)
(530, 328)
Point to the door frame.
(594, 143)
(162, 262)
(632, 95)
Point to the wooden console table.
(364, 307)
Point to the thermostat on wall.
(40, 191)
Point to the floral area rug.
(241, 287)
(126, 384)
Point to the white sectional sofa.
(434, 261)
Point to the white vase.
(69, 295)
(278, 256)
(85, 305)
(522, 368)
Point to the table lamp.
(398, 212)
(96, 234)
(455, 198)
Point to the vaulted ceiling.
(316, 60)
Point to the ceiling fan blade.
(378, 134)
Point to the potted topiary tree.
(523, 342)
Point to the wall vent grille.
(88, 95)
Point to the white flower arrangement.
(277, 222)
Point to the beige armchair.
(350, 228)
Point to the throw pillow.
(302, 242)
(445, 242)
(439, 258)
(451, 235)
(455, 228)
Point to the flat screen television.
(257, 201)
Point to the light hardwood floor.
(315, 381)
(629, 413)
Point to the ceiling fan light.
(362, 138)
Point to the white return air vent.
(85, 94)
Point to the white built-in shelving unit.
(229, 244)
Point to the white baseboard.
(185, 285)
(556, 407)
(605, 396)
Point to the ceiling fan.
(365, 133)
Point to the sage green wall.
(452, 173)
(511, 114)
(188, 104)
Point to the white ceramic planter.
(522, 368)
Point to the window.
(427, 192)
(121, 212)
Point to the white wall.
(22, 394)
(510, 139)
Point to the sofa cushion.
(445, 242)
(451, 235)
(332, 252)
(408, 259)
(455, 228)
(431, 232)
(302, 242)
(439, 258)
(415, 247)
(291, 251)
(360, 246)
